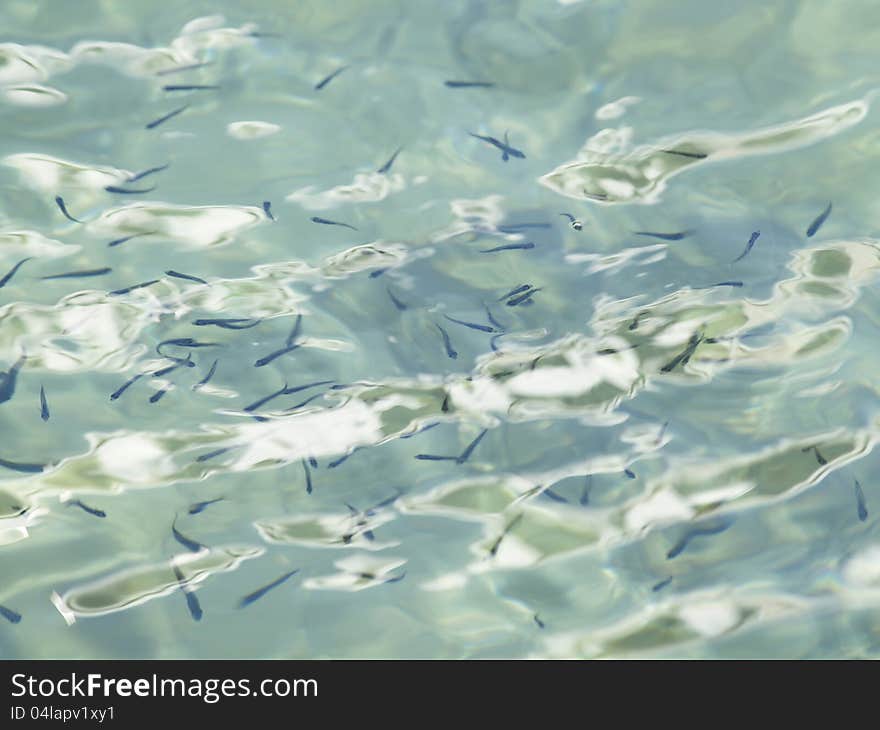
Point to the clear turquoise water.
(622, 500)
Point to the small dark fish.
(304, 403)
(513, 292)
(816, 224)
(204, 381)
(860, 502)
(179, 69)
(156, 122)
(125, 386)
(336, 462)
(191, 545)
(79, 274)
(509, 247)
(316, 219)
(313, 462)
(228, 323)
(635, 322)
(494, 549)
(505, 155)
(387, 166)
(267, 209)
(447, 343)
(159, 394)
(698, 532)
(555, 497)
(151, 171)
(434, 457)
(262, 401)
(478, 327)
(12, 616)
(384, 503)
(574, 222)
(664, 236)
(212, 454)
(295, 332)
(132, 288)
(178, 275)
(661, 585)
(22, 467)
(189, 87)
(594, 196)
(186, 362)
(401, 307)
(517, 227)
(494, 322)
(308, 476)
(469, 84)
(421, 430)
(59, 201)
(5, 280)
(749, 245)
(9, 378)
(119, 241)
(86, 508)
(123, 191)
(502, 374)
(694, 155)
(735, 284)
(662, 431)
(523, 298)
(614, 351)
(260, 592)
(538, 621)
(684, 356)
(466, 454)
(199, 507)
(356, 513)
(44, 407)
(585, 494)
(377, 273)
(629, 473)
(192, 603)
(273, 355)
(183, 342)
(506, 149)
(327, 79)
(819, 458)
(444, 406)
(285, 391)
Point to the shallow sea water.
(665, 450)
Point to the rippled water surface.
(577, 359)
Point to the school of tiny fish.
(387, 337)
